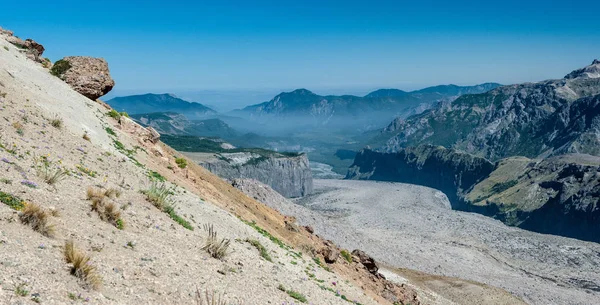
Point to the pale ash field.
(412, 227)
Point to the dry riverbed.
(408, 226)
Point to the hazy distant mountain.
(150, 103)
(177, 124)
(373, 107)
(530, 119)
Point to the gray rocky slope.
(525, 119)
(291, 176)
(411, 226)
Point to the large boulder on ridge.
(87, 75)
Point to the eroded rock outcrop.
(289, 175)
(87, 75)
(32, 49)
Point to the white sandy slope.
(166, 264)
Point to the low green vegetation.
(181, 162)
(154, 176)
(503, 186)
(60, 67)
(297, 295)
(213, 145)
(264, 253)
(114, 114)
(110, 131)
(170, 210)
(268, 235)
(160, 196)
(346, 255)
(13, 202)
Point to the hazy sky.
(175, 45)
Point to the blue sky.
(321, 45)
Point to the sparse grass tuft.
(213, 246)
(158, 194)
(263, 251)
(37, 218)
(81, 266)
(209, 298)
(108, 212)
(93, 192)
(181, 162)
(48, 173)
(56, 122)
(112, 193)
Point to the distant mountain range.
(391, 101)
(532, 120)
(150, 103)
(173, 123)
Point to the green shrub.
(346, 255)
(181, 162)
(114, 114)
(60, 67)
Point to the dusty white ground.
(153, 260)
(412, 227)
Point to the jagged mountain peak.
(591, 71)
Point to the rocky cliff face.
(289, 175)
(451, 172)
(558, 195)
(502, 122)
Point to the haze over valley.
(311, 152)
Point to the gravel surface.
(412, 227)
